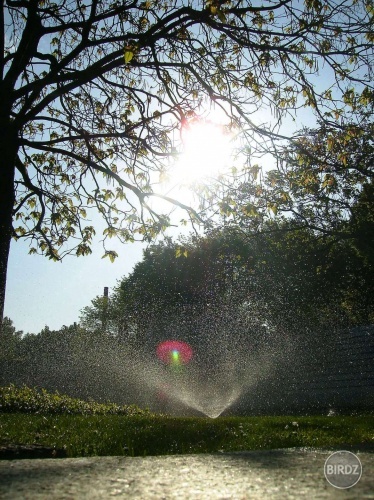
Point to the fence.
(334, 373)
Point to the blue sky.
(41, 292)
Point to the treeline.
(285, 279)
(81, 363)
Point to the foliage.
(152, 435)
(322, 176)
(286, 277)
(306, 279)
(171, 293)
(31, 400)
(8, 339)
(82, 364)
(317, 180)
(105, 315)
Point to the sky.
(42, 292)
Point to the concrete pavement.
(274, 474)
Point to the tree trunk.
(8, 152)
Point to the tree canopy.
(319, 180)
(287, 279)
(91, 92)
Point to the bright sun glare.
(206, 151)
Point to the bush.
(32, 400)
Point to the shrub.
(33, 400)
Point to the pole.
(105, 308)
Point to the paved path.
(276, 474)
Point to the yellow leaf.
(111, 254)
(129, 54)
(180, 251)
(273, 208)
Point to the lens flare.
(174, 352)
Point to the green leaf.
(31, 202)
(250, 210)
(83, 249)
(330, 142)
(110, 231)
(221, 16)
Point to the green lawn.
(29, 416)
(87, 435)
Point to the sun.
(205, 153)
(206, 150)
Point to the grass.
(140, 433)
